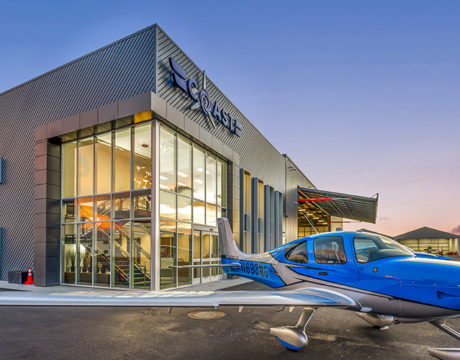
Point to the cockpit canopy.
(371, 247)
(331, 250)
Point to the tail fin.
(227, 244)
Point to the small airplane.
(382, 281)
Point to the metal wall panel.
(120, 70)
(257, 155)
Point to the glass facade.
(106, 208)
(192, 195)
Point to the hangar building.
(116, 166)
(430, 240)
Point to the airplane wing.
(305, 297)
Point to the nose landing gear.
(444, 353)
(294, 338)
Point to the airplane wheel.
(293, 350)
(290, 347)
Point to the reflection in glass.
(122, 160)
(141, 254)
(142, 201)
(102, 254)
(211, 180)
(184, 253)
(206, 253)
(198, 173)
(102, 209)
(84, 254)
(167, 205)
(221, 183)
(198, 212)
(68, 210)
(69, 241)
(120, 258)
(103, 163)
(167, 254)
(85, 209)
(85, 167)
(184, 167)
(184, 209)
(211, 215)
(121, 206)
(214, 246)
(196, 254)
(142, 166)
(69, 173)
(167, 160)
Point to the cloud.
(385, 218)
(456, 230)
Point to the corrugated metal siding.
(257, 154)
(121, 70)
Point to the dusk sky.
(362, 95)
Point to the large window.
(192, 193)
(106, 208)
(103, 163)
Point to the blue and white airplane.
(372, 275)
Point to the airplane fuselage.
(399, 284)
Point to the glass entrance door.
(206, 252)
(196, 273)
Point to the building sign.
(211, 110)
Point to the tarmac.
(152, 333)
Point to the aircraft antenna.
(305, 216)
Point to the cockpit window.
(297, 253)
(329, 250)
(370, 247)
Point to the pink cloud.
(456, 230)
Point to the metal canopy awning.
(347, 206)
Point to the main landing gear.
(294, 338)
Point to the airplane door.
(334, 261)
(376, 277)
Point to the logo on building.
(211, 110)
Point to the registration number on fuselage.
(254, 269)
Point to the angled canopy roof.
(426, 233)
(342, 205)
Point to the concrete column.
(267, 217)
(242, 223)
(276, 219)
(47, 207)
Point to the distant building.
(430, 240)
